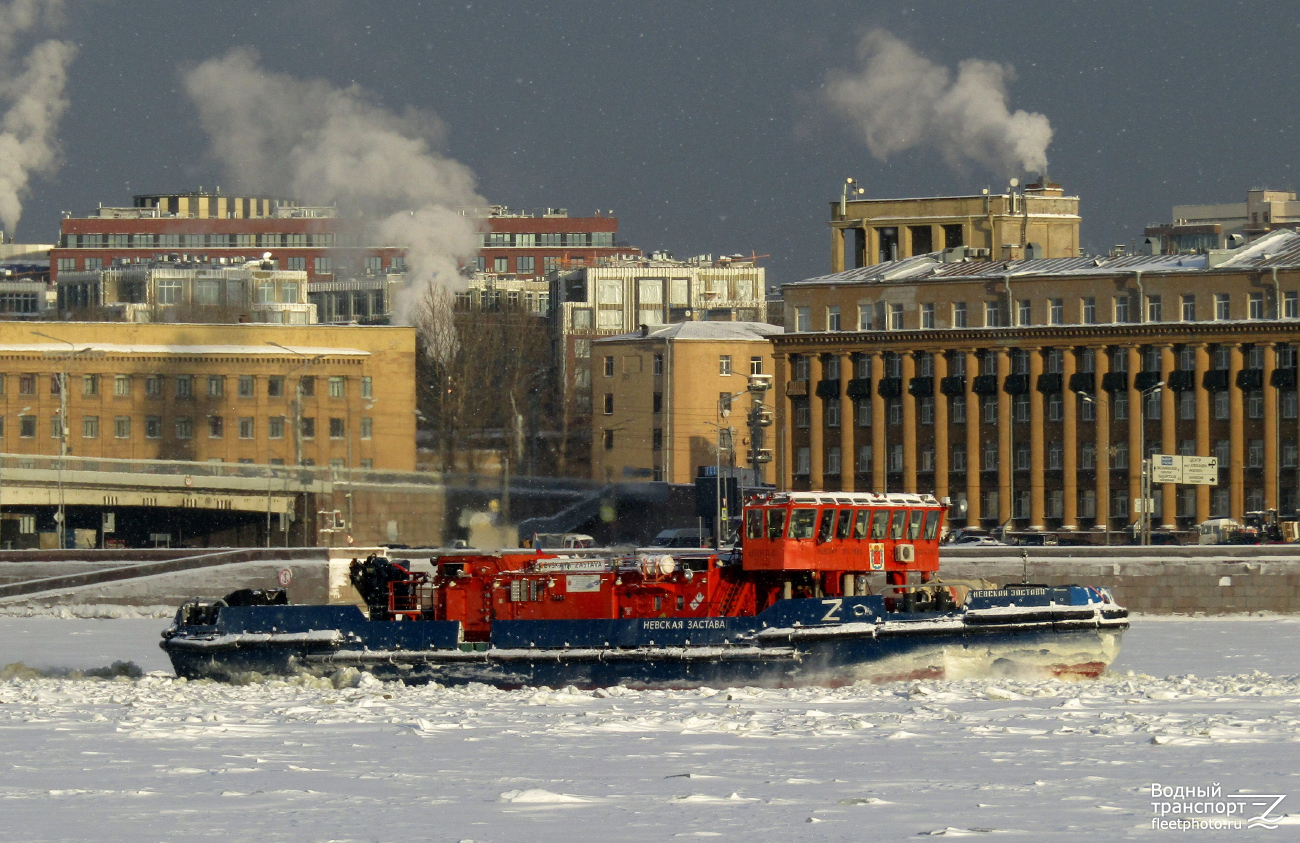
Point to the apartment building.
(1029, 391)
(666, 400)
(283, 395)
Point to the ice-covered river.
(1208, 701)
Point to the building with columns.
(1031, 389)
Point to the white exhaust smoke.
(900, 100)
(326, 145)
(33, 98)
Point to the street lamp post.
(307, 359)
(757, 385)
(62, 376)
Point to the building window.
(862, 412)
(1186, 503)
(864, 366)
(1187, 406)
(832, 412)
(275, 427)
(309, 428)
(1119, 504)
(1119, 406)
(1289, 454)
(153, 427)
(1255, 404)
(245, 386)
(927, 315)
(1220, 503)
(246, 427)
(958, 462)
(26, 384)
(1056, 504)
(1222, 310)
(90, 385)
(927, 459)
(1022, 457)
(216, 427)
(501, 265)
(169, 290)
(832, 370)
(724, 364)
(801, 414)
(833, 318)
(895, 363)
(1289, 404)
(895, 458)
(1087, 410)
(925, 365)
(803, 319)
(1290, 306)
(1153, 406)
(927, 409)
(525, 264)
(1155, 313)
(895, 411)
(1222, 357)
(90, 427)
(1056, 311)
(724, 402)
(990, 363)
(1222, 451)
(275, 387)
(990, 456)
(1055, 456)
(1021, 406)
(122, 385)
(864, 317)
(216, 386)
(957, 409)
(1221, 405)
(367, 427)
(307, 386)
(337, 387)
(895, 317)
(338, 429)
(1022, 504)
(803, 461)
(1189, 307)
(959, 314)
(608, 404)
(1089, 310)
(833, 457)
(1088, 455)
(1187, 358)
(1256, 305)
(1055, 407)
(1087, 503)
(864, 459)
(1255, 454)
(1255, 357)
(990, 409)
(122, 427)
(153, 386)
(607, 366)
(658, 365)
(184, 386)
(992, 314)
(657, 403)
(1024, 313)
(1120, 308)
(184, 428)
(607, 439)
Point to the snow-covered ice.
(1209, 700)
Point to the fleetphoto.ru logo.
(1206, 808)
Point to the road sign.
(109, 522)
(1201, 471)
(1166, 468)
(285, 576)
(1150, 504)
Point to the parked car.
(972, 537)
(687, 537)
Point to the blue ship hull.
(1061, 631)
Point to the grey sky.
(701, 124)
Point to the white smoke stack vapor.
(32, 93)
(901, 100)
(327, 145)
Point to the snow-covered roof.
(703, 331)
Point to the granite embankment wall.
(1161, 580)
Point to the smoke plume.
(900, 100)
(326, 145)
(33, 99)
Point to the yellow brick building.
(228, 393)
(655, 398)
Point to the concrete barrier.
(1162, 580)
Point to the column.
(1271, 455)
(1036, 462)
(1070, 435)
(848, 428)
(1006, 459)
(973, 455)
(784, 426)
(816, 425)
(1136, 430)
(879, 459)
(1202, 427)
(909, 424)
(1236, 435)
(1101, 400)
(940, 425)
(837, 249)
(1168, 435)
